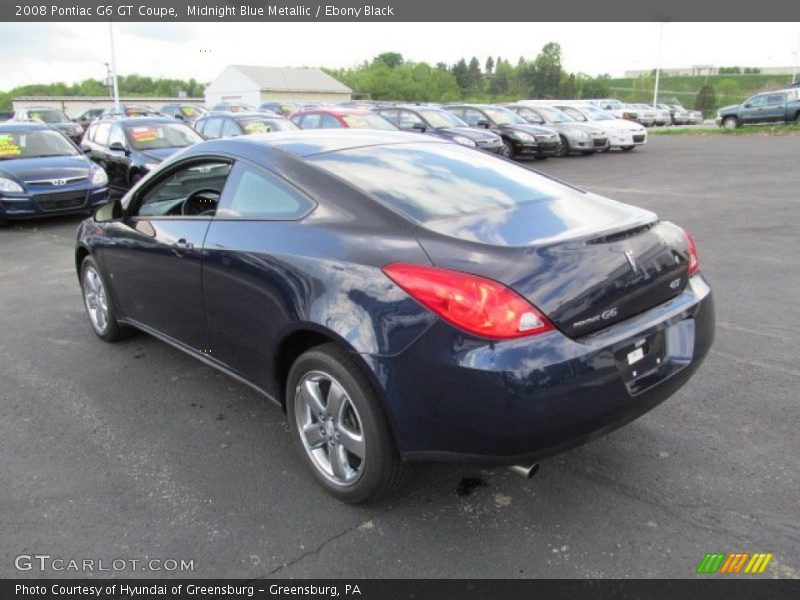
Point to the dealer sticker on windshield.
(635, 356)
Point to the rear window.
(428, 181)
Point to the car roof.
(335, 110)
(317, 141)
(140, 119)
(23, 126)
(250, 114)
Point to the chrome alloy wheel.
(94, 295)
(330, 428)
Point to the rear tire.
(587, 152)
(339, 427)
(98, 304)
(627, 148)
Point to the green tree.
(489, 68)
(390, 59)
(548, 71)
(706, 100)
(461, 73)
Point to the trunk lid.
(585, 261)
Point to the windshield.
(152, 136)
(597, 114)
(259, 125)
(34, 144)
(553, 115)
(187, 110)
(428, 181)
(367, 121)
(503, 116)
(441, 118)
(48, 115)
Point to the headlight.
(464, 141)
(524, 137)
(9, 185)
(151, 166)
(99, 176)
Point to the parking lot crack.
(313, 551)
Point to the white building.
(254, 85)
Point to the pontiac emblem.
(631, 259)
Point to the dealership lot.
(133, 450)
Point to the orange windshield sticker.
(8, 146)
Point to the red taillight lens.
(694, 264)
(472, 303)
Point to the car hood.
(469, 132)
(532, 129)
(49, 167)
(567, 127)
(619, 124)
(159, 154)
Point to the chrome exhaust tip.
(525, 471)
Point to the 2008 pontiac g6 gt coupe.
(404, 299)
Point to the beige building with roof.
(254, 85)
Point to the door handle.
(183, 246)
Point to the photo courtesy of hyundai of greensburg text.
(399, 300)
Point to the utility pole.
(108, 81)
(796, 60)
(113, 65)
(658, 62)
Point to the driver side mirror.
(118, 147)
(109, 212)
(483, 123)
(748, 105)
(86, 149)
(418, 127)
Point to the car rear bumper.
(43, 204)
(451, 397)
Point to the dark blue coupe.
(403, 298)
(42, 173)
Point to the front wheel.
(730, 122)
(627, 148)
(98, 303)
(508, 149)
(564, 149)
(339, 426)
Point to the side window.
(101, 135)
(255, 194)
(311, 121)
(198, 126)
(757, 101)
(459, 112)
(408, 119)
(230, 128)
(472, 116)
(193, 190)
(330, 122)
(390, 115)
(117, 136)
(213, 127)
(575, 114)
(776, 98)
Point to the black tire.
(627, 148)
(541, 157)
(381, 469)
(730, 123)
(587, 152)
(797, 118)
(508, 150)
(113, 331)
(564, 149)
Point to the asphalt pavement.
(134, 450)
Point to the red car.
(339, 118)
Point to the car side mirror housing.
(418, 127)
(86, 149)
(748, 105)
(483, 123)
(118, 147)
(109, 212)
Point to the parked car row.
(650, 115)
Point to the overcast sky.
(47, 52)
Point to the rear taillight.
(472, 303)
(694, 264)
